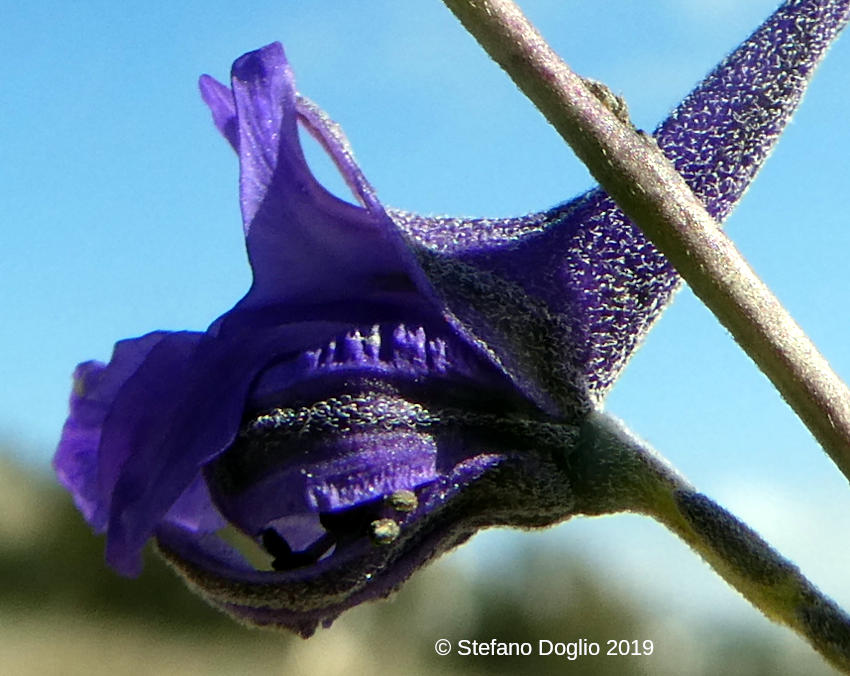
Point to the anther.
(275, 544)
(402, 501)
(384, 531)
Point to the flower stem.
(613, 471)
(655, 197)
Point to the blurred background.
(122, 217)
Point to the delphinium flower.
(392, 383)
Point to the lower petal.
(96, 386)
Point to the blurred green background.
(63, 612)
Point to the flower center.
(308, 481)
(360, 429)
(380, 520)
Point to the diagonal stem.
(654, 196)
(613, 471)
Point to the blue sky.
(122, 217)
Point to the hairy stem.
(613, 471)
(655, 197)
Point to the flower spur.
(391, 383)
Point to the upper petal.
(220, 101)
(306, 246)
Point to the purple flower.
(391, 383)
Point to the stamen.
(402, 501)
(275, 544)
(342, 527)
(384, 531)
(350, 521)
(285, 559)
(316, 550)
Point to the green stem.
(613, 471)
(656, 198)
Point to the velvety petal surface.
(584, 265)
